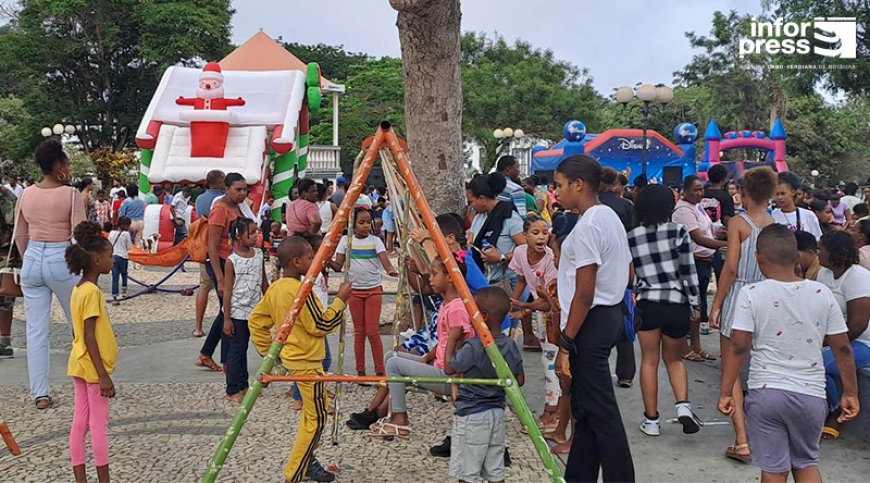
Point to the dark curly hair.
(451, 224)
(653, 205)
(841, 248)
(49, 154)
(489, 185)
(89, 242)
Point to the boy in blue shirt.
(478, 442)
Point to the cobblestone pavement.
(155, 438)
(169, 416)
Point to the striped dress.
(747, 273)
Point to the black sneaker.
(507, 458)
(6, 351)
(365, 418)
(316, 472)
(441, 450)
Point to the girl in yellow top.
(94, 350)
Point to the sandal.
(198, 334)
(706, 355)
(693, 356)
(205, 361)
(830, 433)
(732, 452)
(561, 448)
(387, 430)
(43, 402)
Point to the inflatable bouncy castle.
(246, 117)
(622, 149)
(772, 148)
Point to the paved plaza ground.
(169, 417)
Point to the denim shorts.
(477, 446)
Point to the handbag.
(10, 277)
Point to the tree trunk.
(429, 33)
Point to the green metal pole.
(518, 403)
(389, 379)
(220, 456)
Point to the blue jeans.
(832, 373)
(216, 332)
(327, 361)
(43, 273)
(237, 357)
(119, 267)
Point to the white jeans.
(44, 272)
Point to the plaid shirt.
(664, 264)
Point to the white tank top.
(325, 215)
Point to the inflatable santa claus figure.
(210, 120)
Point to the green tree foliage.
(15, 138)
(335, 63)
(518, 86)
(375, 92)
(852, 80)
(96, 63)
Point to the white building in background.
(519, 148)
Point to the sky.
(622, 42)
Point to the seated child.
(808, 255)
(303, 351)
(480, 409)
(784, 321)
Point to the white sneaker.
(650, 427)
(691, 423)
(408, 334)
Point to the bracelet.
(566, 343)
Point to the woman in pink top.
(47, 213)
(303, 215)
(705, 248)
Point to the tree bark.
(429, 32)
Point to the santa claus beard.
(210, 93)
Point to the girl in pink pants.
(94, 350)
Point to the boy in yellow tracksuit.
(303, 351)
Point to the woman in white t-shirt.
(594, 271)
(326, 207)
(850, 284)
(787, 213)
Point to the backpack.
(197, 240)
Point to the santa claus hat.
(211, 71)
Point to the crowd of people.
(571, 269)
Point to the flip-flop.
(693, 356)
(200, 334)
(561, 448)
(706, 355)
(731, 452)
(830, 433)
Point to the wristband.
(566, 343)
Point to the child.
(276, 236)
(94, 350)
(368, 255)
(244, 283)
(303, 351)
(535, 267)
(454, 326)
(668, 297)
(321, 291)
(121, 242)
(741, 269)
(808, 256)
(784, 321)
(478, 441)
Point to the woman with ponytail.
(46, 214)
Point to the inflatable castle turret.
(715, 143)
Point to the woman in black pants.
(594, 272)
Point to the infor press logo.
(828, 37)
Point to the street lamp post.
(506, 136)
(57, 130)
(649, 95)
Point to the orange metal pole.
(330, 242)
(416, 192)
(7, 437)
